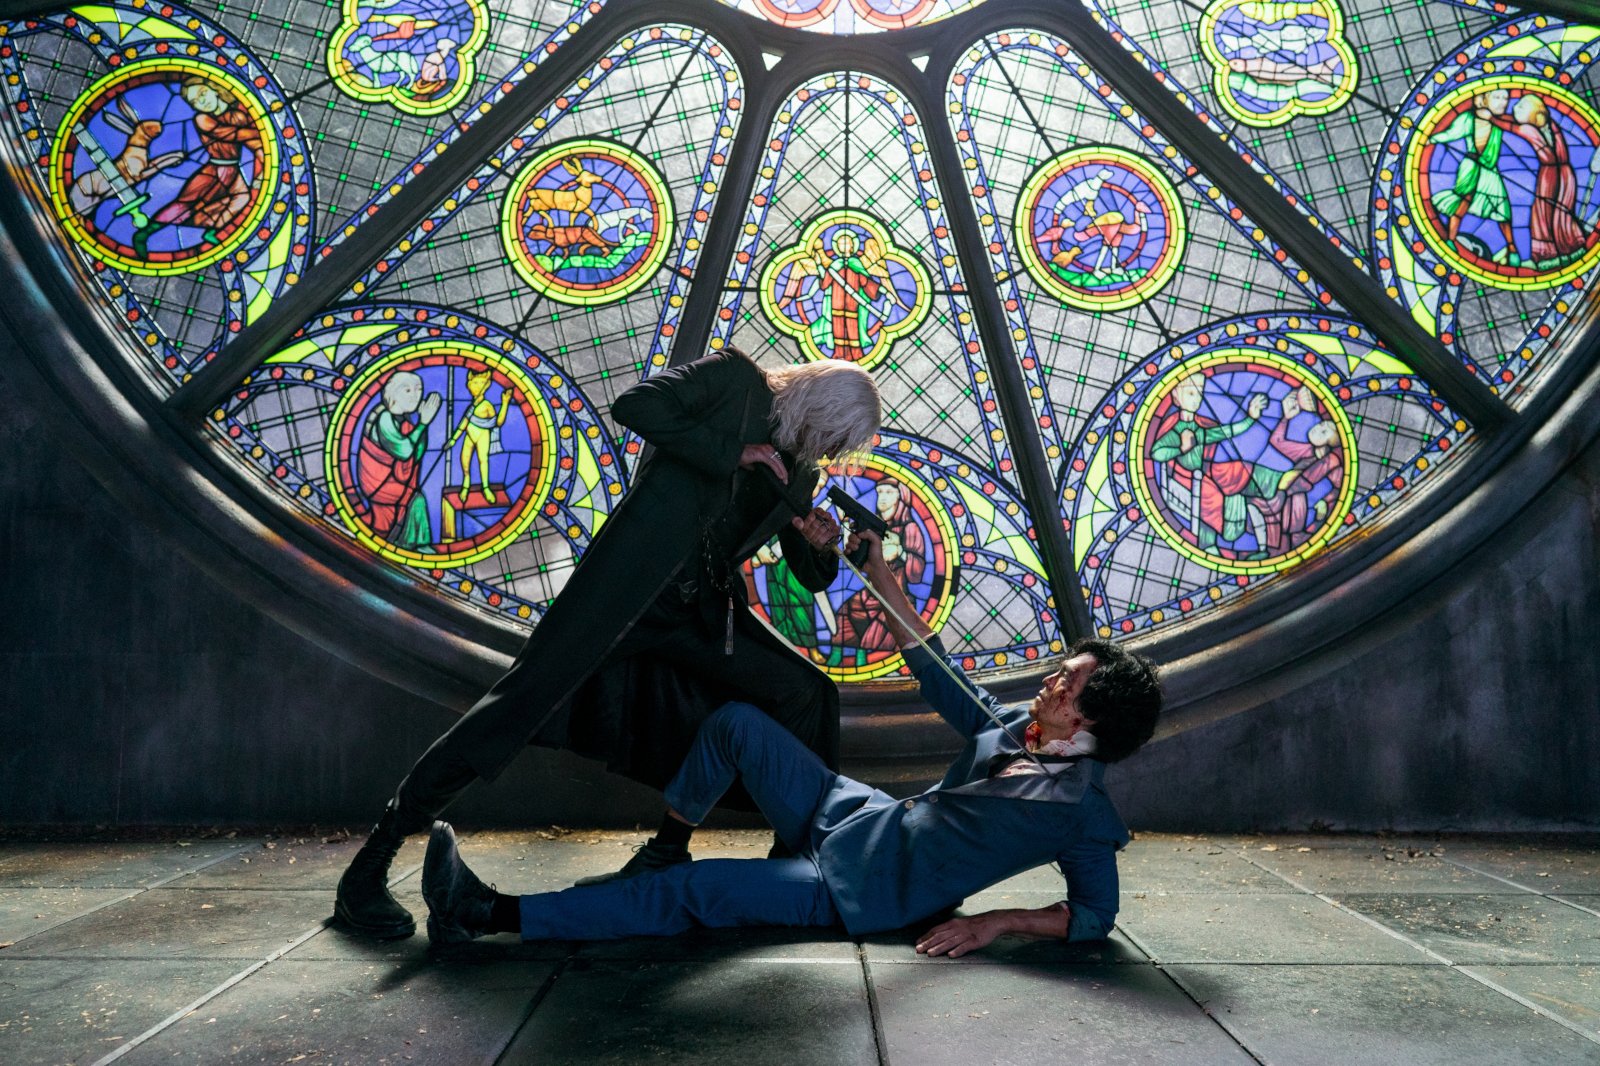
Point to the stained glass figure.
(845, 290)
(438, 442)
(1100, 228)
(1274, 60)
(588, 222)
(419, 56)
(1236, 486)
(164, 167)
(400, 460)
(1235, 454)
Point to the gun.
(851, 513)
(858, 518)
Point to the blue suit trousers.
(786, 780)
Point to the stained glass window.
(550, 280)
(850, 16)
(1172, 303)
(1220, 416)
(1397, 128)
(847, 254)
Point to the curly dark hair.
(1121, 699)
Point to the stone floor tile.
(1378, 1015)
(1573, 992)
(1520, 927)
(728, 1010)
(1259, 928)
(964, 1014)
(53, 1011)
(1375, 868)
(353, 1012)
(1542, 867)
(1417, 843)
(27, 912)
(1166, 865)
(173, 923)
(294, 863)
(113, 865)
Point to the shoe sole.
(342, 920)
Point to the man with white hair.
(652, 631)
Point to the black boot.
(364, 905)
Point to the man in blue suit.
(861, 857)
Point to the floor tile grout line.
(206, 997)
(137, 890)
(1551, 896)
(208, 864)
(248, 971)
(880, 1039)
(1188, 994)
(1487, 873)
(1373, 922)
(1568, 903)
(533, 1005)
(1543, 1012)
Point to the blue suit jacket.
(888, 862)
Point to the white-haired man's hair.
(824, 409)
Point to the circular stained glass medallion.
(1100, 228)
(587, 222)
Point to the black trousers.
(670, 636)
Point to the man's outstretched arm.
(955, 700)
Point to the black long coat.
(566, 688)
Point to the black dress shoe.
(459, 904)
(648, 858)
